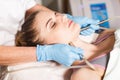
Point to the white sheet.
(53, 72)
(113, 69)
(41, 70)
(36, 71)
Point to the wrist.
(44, 53)
(39, 53)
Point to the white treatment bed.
(48, 70)
(113, 69)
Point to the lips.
(70, 23)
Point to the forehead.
(41, 20)
(44, 16)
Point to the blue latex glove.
(83, 22)
(61, 53)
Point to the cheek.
(65, 36)
(76, 31)
(58, 37)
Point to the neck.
(89, 49)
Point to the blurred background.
(57, 5)
(96, 9)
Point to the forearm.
(15, 55)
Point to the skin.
(20, 54)
(98, 74)
(57, 25)
(85, 74)
(62, 29)
(17, 55)
(92, 51)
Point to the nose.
(62, 15)
(65, 18)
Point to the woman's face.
(56, 28)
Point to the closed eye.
(51, 22)
(53, 25)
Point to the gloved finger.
(81, 57)
(84, 33)
(75, 56)
(95, 27)
(69, 16)
(89, 21)
(92, 21)
(73, 59)
(76, 50)
(85, 25)
(87, 32)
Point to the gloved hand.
(61, 53)
(83, 22)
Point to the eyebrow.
(48, 22)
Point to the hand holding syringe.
(101, 22)
(101, 29)
(90, 26)
(87, 27)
